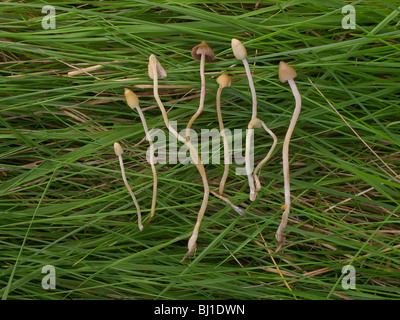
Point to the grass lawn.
(63, 202)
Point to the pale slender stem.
(236, 208)
(121, 163)
(197, 161)
(153, 168)
(263, 161)
(202, 96)
(252, 89)
(248, 164)
(249, 134)
(285, 159)
(225, 142)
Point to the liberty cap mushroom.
(153, 68)
(201, 52)
(224, 80)
(240, 53)
(133, 102)
(286, 74)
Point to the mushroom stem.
(250, 133)
(240, 53)
(133, 102)
(202, 96)
(285, 159)
(118, 152)
(153, 168)
(252, 89)
(263, 161)
(196, 159)
(224, 141)
(234, 207)
(248, 164)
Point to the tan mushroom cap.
(224, 80)
(238, 49)
(155, 67)
(118, 149)
(203, 49)
(286, 72)
(131, 98)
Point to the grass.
(63, 203)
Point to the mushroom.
(224, 81)
(257, 123)
(287, 73)
(119, 151)
(241, 54)
(204, 53)
(133, 102)
(156, 72)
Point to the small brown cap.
(238, 49)
(286, 72)
(224, 80)
(155, 67)
(131, 98)
(118, 149)
(203, 48)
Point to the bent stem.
(250, 132)
(133, 102)
(121, 163)
(197, 161)
(249, 164)
(285, 159)
(153, 168)
(202, 97)
(263, 161)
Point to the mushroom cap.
(118, 149)
(286, 72)
(131, 98)
(203, 48)
(224, 80)
(238, 49)
(155, 68)
(254, 123)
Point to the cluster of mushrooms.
(204, 53)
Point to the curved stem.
(234, 207)
(197, 161)
(249, 134)
(153, 168)
(252, 89)
(248, 164)
(263, 161)
(202, 96)
(225, 142)
(285, 159)
(121, 163)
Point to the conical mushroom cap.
(203, 48)
(238, 49)
(118, 149)
(224, 80)
(286, 72)
(131, 98)
(155, 68)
